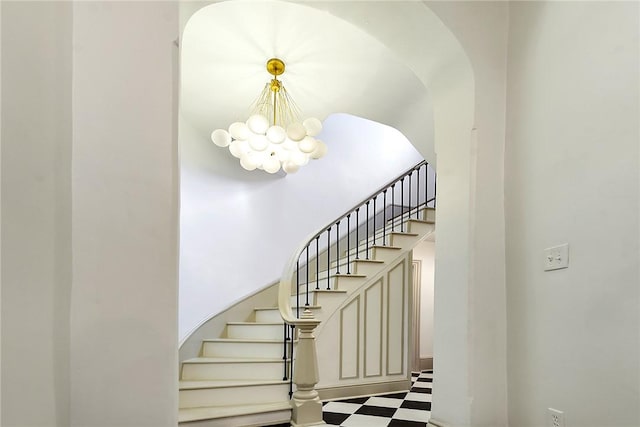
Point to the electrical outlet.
(556, 257)
(556, 418)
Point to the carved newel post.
(306, 405)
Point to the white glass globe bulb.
(288, 144)
(258, 124)
(296, 131)
(221, 137)
(320, 150)
(290, 167)
(276, 134)
(258, 142)
(238, 148)
(308, 144)
(239, 130)
(313, 126)
(298, 158)
(283, 155)
(271, 164)
(248, 162)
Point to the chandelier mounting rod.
(275, 67)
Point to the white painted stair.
(238, 378)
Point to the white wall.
(470, 316)
(572, 177)
(239, 228)
(36, 212)
(125, 215)
(425, 252)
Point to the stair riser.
(322, 284)
(318, 298)
(233, 371)
(404, 241)
(384, 254)
(269, 316)
(368, 268)
(232, 396)
(421, 228)
(423, 214)
(349, 283)
(250, 349)
(255, 331)
(429, 214)
(363, 268)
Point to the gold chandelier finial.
(275, 66)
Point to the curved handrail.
(285, 287)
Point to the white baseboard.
(437, 423)
(358, 390)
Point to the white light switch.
(556, 257)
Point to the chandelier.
(273, 137)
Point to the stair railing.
(388, 208)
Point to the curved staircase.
(244, 377)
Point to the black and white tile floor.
(405, 409)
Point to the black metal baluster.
(338, 247)
(418, 192)
(402, 205)
(374, 220)
(435, 186)
(357, 233)
(384, 218)
(426, 186)
(409, 214)
(317, 262)
(306, 304)
(291, 362)
(367, 230)
(328, 255)
(393, 207)
(348, 243)
(284, 354)
(298, 288)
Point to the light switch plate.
(556, 257)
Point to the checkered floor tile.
(406, 409)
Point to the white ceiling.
(332, 66)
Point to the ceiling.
(332, 65)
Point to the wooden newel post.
(305, 403)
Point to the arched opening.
(443, 68)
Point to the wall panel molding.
(373, 329)
(396, 319)
(350, 340)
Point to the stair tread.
(403, 233)
(386, 247)
(234, 360)
(331, 275)
(242, 340)
(213, 412)
(276, 308)
(426, 221)
(255, 323)
(201, 384)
